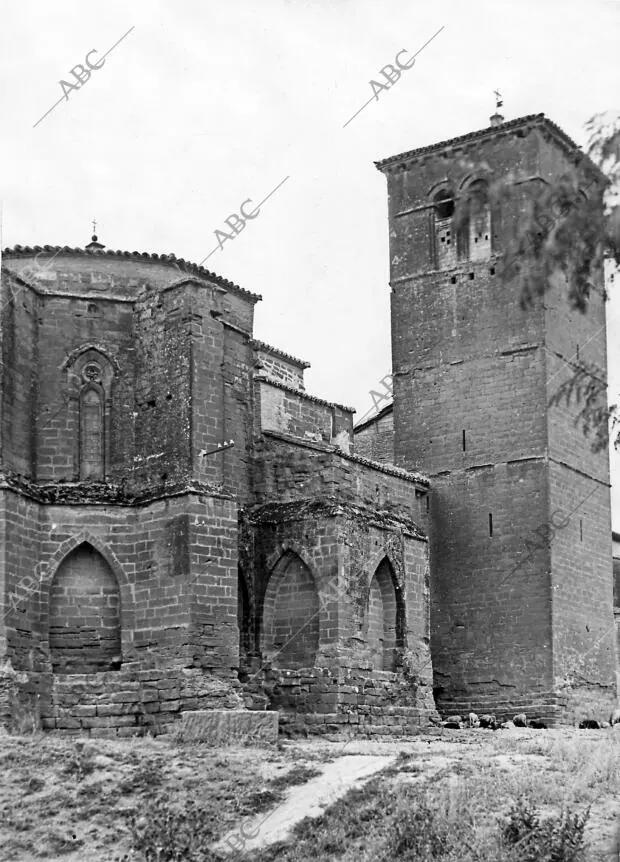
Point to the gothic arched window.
(90, 389)
(92, 448)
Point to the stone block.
(229, 726)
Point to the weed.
(299, 774)
(80, 762)
(146, 777)
(169, 833)
(559, 838)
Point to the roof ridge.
(537, 119)
(269, 348)
(185, 266)
(263, 378)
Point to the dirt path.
(308, 800)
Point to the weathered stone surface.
(229, 726)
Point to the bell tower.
(521, 562)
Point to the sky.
(201, 106)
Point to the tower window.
(444, 244)
(463, 440)
(490, 524)
(444, 204)
(476, 232)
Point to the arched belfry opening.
(443, 234)
(478, 229)
(383, 619)
(291, 615)
(84, 614)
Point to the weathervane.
(498, 99)
(94, 225)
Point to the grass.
(74, 800)
(444, 797)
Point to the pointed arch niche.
(84, 614)
(291, 615)
(382, 629)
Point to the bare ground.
(66, 799)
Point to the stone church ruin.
(346, 579)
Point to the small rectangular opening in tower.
(580, 530)
(464, 442)
(490, 524)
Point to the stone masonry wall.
(342, 547)
(287, 470)
(375, 440)
(472, 374)
(175, 562)
(277, 366)
(18, 351)
(288, 411)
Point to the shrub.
(559, 838)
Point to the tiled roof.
(184, 265)
(390, 469)
(363, 423)
(277, 384)
(511, 125)
(267, 348)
